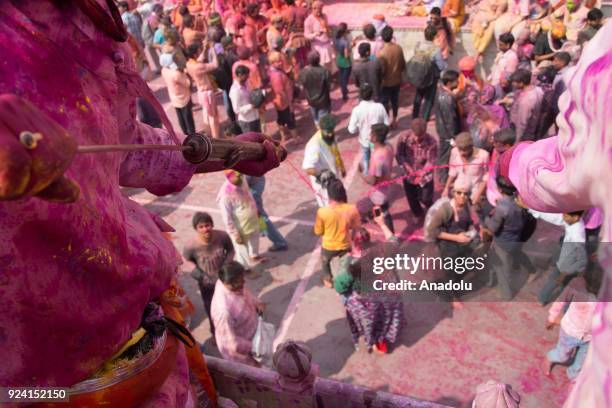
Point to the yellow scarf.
(336, 152)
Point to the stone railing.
(247, 386)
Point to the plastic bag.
(262, 341)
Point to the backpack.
(420, 69)
(429, 215)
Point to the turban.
(462, 183)
(327, 122)
(558, 29)
(467, 63)
(494, 394)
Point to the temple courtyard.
(442, 353)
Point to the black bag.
(529, 227)
(257, 97)
(421, 71)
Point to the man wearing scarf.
(322, 153)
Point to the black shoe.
(275, 248)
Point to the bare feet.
(328, 283)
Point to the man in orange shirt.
(335, 223)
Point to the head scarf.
(558, 29)
(467, 63)
(462, 183)
(496, 395)
(487, 95)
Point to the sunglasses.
(462, 193)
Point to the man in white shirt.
(506, 61)
(572, 259)
(321, 153)
(364, 115)
(240, 95)
(471, 163)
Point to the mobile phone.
(377, 211)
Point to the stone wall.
(251, 387)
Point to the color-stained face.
(500, 147)
(234, 177)
(503, 47)
(461, 197)
(418, 127)
(278, 64)
(466, 151)
(204, 229)
(242, 78)
(236, 285)
(570, 219)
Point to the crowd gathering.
(283, 53)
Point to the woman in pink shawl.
(573, 171)
(76, 276)
(485, 118)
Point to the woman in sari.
(374, 315)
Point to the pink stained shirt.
(526, 105)
(178, 87)
(578, 318)
(282, 89)
(235, 317)
(381, 166)
(504, 65)
(593, 218)
(474, 170)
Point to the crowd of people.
(274, 53)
